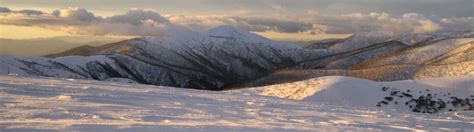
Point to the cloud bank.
(140, 22)
(135, 22)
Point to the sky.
(277, 19)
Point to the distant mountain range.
(45, 46)
(227, 57)
(382, 57)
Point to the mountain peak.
(228, 31)
(231, 32)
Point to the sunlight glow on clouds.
(80, 21)
(27, 32)
(145, 22)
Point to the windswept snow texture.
(47, 104)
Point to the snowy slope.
(62, 67)
(400, 95)
(361, 40)
(245, 36)
(47, 104)
(423, 54)
(364, 39)
(380, 57)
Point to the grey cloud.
(26, 12)
(258, 24)
(150, 23)
(81, 21)
(279, 25)
(335, 24)
(4, 10)
(458, 24)
(31, 12)
(358, 22)
(75, 13)
(443, 8)
(137, 16)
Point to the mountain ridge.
(227, 56)
(192, 60)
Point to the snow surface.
(33, 104)
(349, 91)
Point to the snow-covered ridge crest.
(411, 38)
(408, 38)
(218, 34)
(230, 32)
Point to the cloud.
(358, 22)
(278, 8)
(75, 13)
(137, 17)
(31, 12)
(314, 21)
(272, 24)
(258, 24)
(198, 23)
(457, 24)
(140, 22)
(443, 8)
(26, 12)
(5, 10)
(135, 22)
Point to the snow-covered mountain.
(384, 57)
(225, 57)
(222, 56)
(62, 89)
(371, 47)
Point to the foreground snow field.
(61, 104)
(446, 94)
